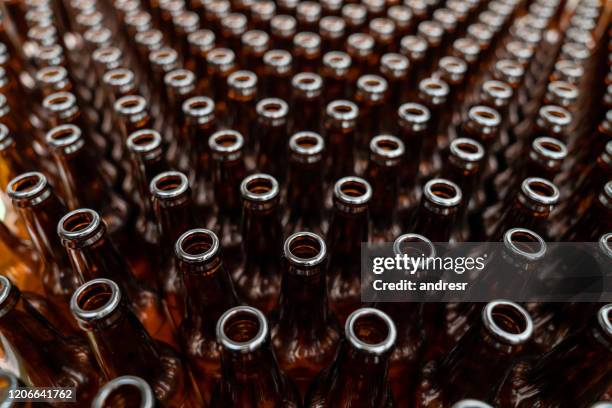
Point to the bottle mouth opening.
(307, 41)
(605, 244)
(332, 26)
(95, 299)
(396, 62)
(360, 42)
(277, 58)
(107, 54)
(446, 18)
(563, 90)
(414, 113)
(163, 56)
(434, 88)
(307, 81)
(540, 190)
(283, 24)
(186, 20)
(199, 107)
(202, 38)
(259, 187)
(480, 32)
(431, 30)
(442, 192)
(306, 143)
(372, 84)
(272, 108)
(59, 101)
(226, 141)
(387, 146)
(549, 147)
(169, 184)
(453, 65)
(353, 191)
(305, 249)
(468, 150)
(242, 80)
(342, 110)
(131, 104)
(497, 89)
(98, 35)
(125, 391)
(569, 69)
(354, 13)
(371, 331)
(27, 185)
(52, 74)
(471, 403)
(235, 23)
(144, 141)
(255, 39)
(382, 26)
(525, 244)
(119, 77)
(242, 329)
(151, 38)
(138, 19)
(555, 115)
(485, 116)
(197, 245)
(414, 245)
(413, 45)
(179, 78)
(507, 321)
(64, 136)
(79, 223)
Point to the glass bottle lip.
(362, 195)
(419, 241)
(394, 65)
(147, 398)
(139, 20)
(509, 71)
(605, 241)
(132, 106)
(255, 342)
(401, 15)
(151, 39)
(434, 90)
(466, 48)
(414, 47)
(360, 44)
(197, 235)
(524, 244)
(484, 118)
(494, 328)
(182, 80)
(382, 28)
(308, 43)
(316, 241)
(530, 189)
(467, 150)
(354, 13)
(332, 27)
(178, 188)
(108, 57)
(83, 315)
(11, 382)
(35, 192)
(446, 18)
(338, 62)
(497, 92)
(200, 108)
(65, 138)
(121, 79)
(227, 144)
(279, 61)
(283, 25)
(234, 24)
(454, 199)
(263, 10)
(307, 84)
(312, 151)
(431, 31)
(343, 111)
(273, 111)
(606, 195)
(63, 104)
(256, 41)
(146, 143)
(51, 75)
(98, 36)
(186, 21)
(387, 150)
(562, 93)
(203, 39)
(89, 229)
(308, 11)
(453, 69)
(243, 83)
(471, 403)
(6, 139)
(373, 87)
(270, 192)
(164, 59)
(379, 348)
(414, 114)
(549, 149)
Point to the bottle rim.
(415, 114)
(436, 89)
(89, 226)
(203, 38)
(67, 138)
(485, 116)
(283, 25)
(394, 64)
(362, 187)
(289, 250)
(147, 398)
(179, 187)
(490, 323)
(308, 84)
(60, 102)
(379, 348)
(469, 152)
(308, 42)
(280, 60)
(180, 78)
(513, 239)
(257, 41)
(11, 382)
(360, 44)
(387, 147)
(531, 188)
(549, 148)
(269, 193)
(413, 238)
(95, 285)
(36, 188)
(235, 142)
(129, 105)
(121, 78)
(145, 142)
(254, 343)
(373, 86)
(343, 111)
(243, 82)
(450, 201)
(222, 59)
(274, 109)
(314, 148)
(498, 90)
(200, 107)
(198, 236)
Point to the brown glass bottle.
(41, 209)
(354, 15)
(283, 28)
(359, 374)
(485, 352)
(270, 136)
(332, 30)
(371, 95)
(440, 205)
(261, 12)
(306, 51)
(580, 362)
(250, 375)
(304, 192)
(34, 349)
(415, 48)
(92, 254)
(258, 278)
(360, 47)
(304, 332)
(335, 68)
(395, 68)
(127, 391)
(307, 94)
(221, 63)
(383, 174)
(278, 70)
(349, 227)
(242, 94)
(209, 292)
(101, 309)
(174, 214)
(201, 42)
(255, 43)
(308, 14)
(433, 93)
(530, 208)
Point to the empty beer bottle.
(241, 97)
(340, 122)
(250, 375)
(359, 374)
(306, 99)
(209, 292)
(349, 227)
(92, 254)
(101, 309)
(277, 74)
(36, 350)
(440, 205)
(304, 331)
(258, 278)
(335, 70)
(270, 136)
(125, 391)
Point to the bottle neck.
(173, 212)
(261, 231)
(227, 175)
